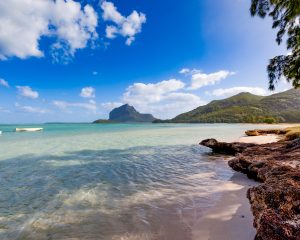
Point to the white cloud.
(88, 92)
(161, 99)
(227, 92)
(63, 105)
(4, 110)
(4, 83)
(188, 71)
(184, 71)
(111, 32)
(202, 79)
(110, 13)
(127, 27)
(111, 105)
(151, 92)
(31, 109)
(91, 101)
(129, 41)
(71, 24)
(26, 91)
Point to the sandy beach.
(270, 138)
(231, 218)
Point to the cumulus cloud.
(71, 24)
(227, 92)
(63, 105)
(111, 32)
(200, 79)
(151, 92)
(4, 83)
(127, 27)
(88, 92)
(27, 92)
(31, 109)
(162, 99)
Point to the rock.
(275, 203)
(225, 148)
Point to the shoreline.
(231, 217)
(267, 138)
(275, 166)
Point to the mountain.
(246, 108)
(126, 113)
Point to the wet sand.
(231, 217)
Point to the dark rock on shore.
(276, 202)
(225, 148)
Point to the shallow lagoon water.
(110, 181)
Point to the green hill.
(246, 108)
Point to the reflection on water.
(138, 193)
(149, 186)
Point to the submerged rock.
(276, 202)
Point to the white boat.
(0, 132)
(28, 129)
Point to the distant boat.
(0, 132)
(28, 129)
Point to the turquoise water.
(109, 181)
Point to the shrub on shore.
(293, 133)
(290, 133)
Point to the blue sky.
(76, 60)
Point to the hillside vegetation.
(246, 108)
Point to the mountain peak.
(127, 113)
